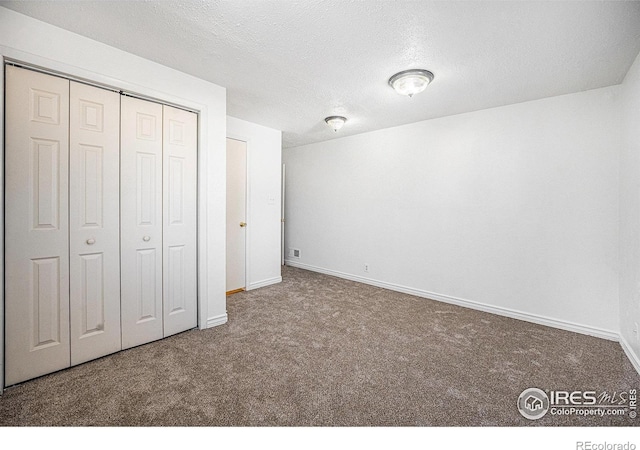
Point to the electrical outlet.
(294, 252)
(366, 267)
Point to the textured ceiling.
(289, 64)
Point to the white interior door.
(141, 221)
(180, 142)
(36, 222)
(94, 222)
(236, 214)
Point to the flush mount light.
(410, 82)
(335, 122)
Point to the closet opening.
(100, 221)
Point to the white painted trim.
(2, 227)
(202, 222)
(283, 180)
(501, 311)
(217, 320)
(264, 283)
(628, 350)
(248, 217)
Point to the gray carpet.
(317, 350)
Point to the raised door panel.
(36, 205)
(180, 130)
(45, 300)
(45, 174)
(175, 292)
(141, 221)
(146, 295)
(94, 213)
(91, 314)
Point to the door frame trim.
(2, 226)
(247, 207)
(283, 199)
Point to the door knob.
(146, 238)
(91, 241)
(243, 224)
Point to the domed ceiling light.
(335, 122)
(411, 82)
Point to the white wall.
(264, 168)
(513, 210)
(630, 215)
(29, 40)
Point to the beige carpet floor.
(322, 351)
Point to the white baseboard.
(633, 356)
(217, 320)
(499, 310)
(263, 283)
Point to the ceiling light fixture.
(335, 122)
(411, 82)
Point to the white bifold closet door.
(94, 222)
(100, 220)
(36, 225)
(141, 221)
(180, 129)
(61, 253)
(158, 220)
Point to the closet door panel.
(94, 221)
(36, 222)
(141, 221)
(180, 130)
